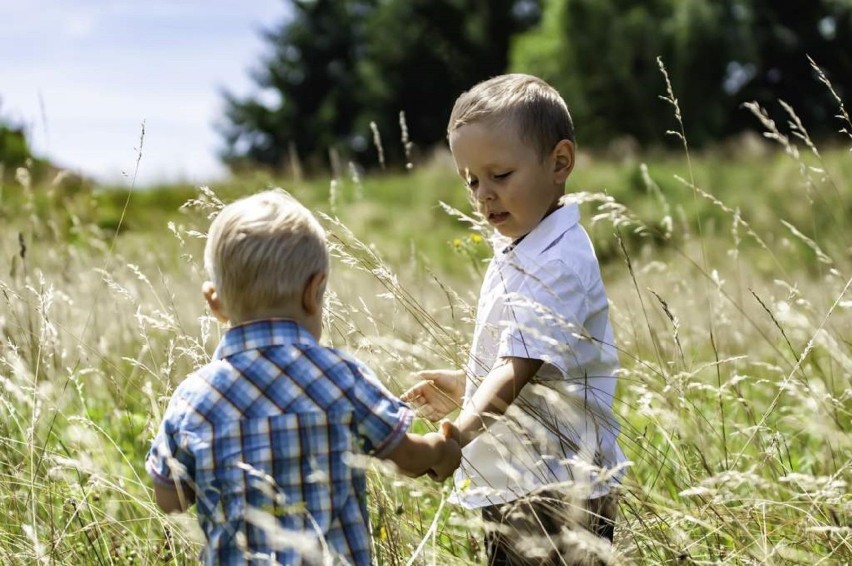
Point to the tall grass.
(729, 287)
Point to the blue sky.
(82, 76)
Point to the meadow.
(728, 273)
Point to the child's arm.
(497, 391)
(437, 393)
(172, 499)
(430, 453)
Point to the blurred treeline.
(17, 162)
(15, 151)
(336, 66)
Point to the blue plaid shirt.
(268, 433)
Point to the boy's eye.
(503, 175)
(471, 183)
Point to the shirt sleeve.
(169, 459)
(381, 418)
(543, 316)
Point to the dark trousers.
(548, 528)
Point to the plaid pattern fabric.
(266, 433)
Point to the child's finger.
(416, 390)
(413, 397)
(449, 430)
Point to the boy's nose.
(483, 192)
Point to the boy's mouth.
(497, 217)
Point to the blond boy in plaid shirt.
(264, 438)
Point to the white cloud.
(83, 76)
(79, 26)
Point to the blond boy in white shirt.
(540, 456)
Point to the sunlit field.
(728, 274)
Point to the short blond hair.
(528, 103)
(261, 252)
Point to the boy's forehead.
(482, 145)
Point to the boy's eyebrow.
(501, 163)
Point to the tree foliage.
(420, 55)
(781, 35)
(311, 85)
(336, 66)
(14, 148)
(602, 56)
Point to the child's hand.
(450, 431)
(450, 459)
(437, 393)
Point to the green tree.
(421, 54)
(14, 149)
(776, 67)
(338, 65)
(601, 54)
(309, 87)
(15, 152)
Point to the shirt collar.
(548, 230)
(261, 334)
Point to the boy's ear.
(208, 289)
(563, 160)
(312, 295)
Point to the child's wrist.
(469, 426)
(460, 379)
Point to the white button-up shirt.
(543, 298)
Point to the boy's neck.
(553, 208)
(267, 317)
(302, 320)
(288, 316)
(556, 206)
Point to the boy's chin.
(510, 234)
